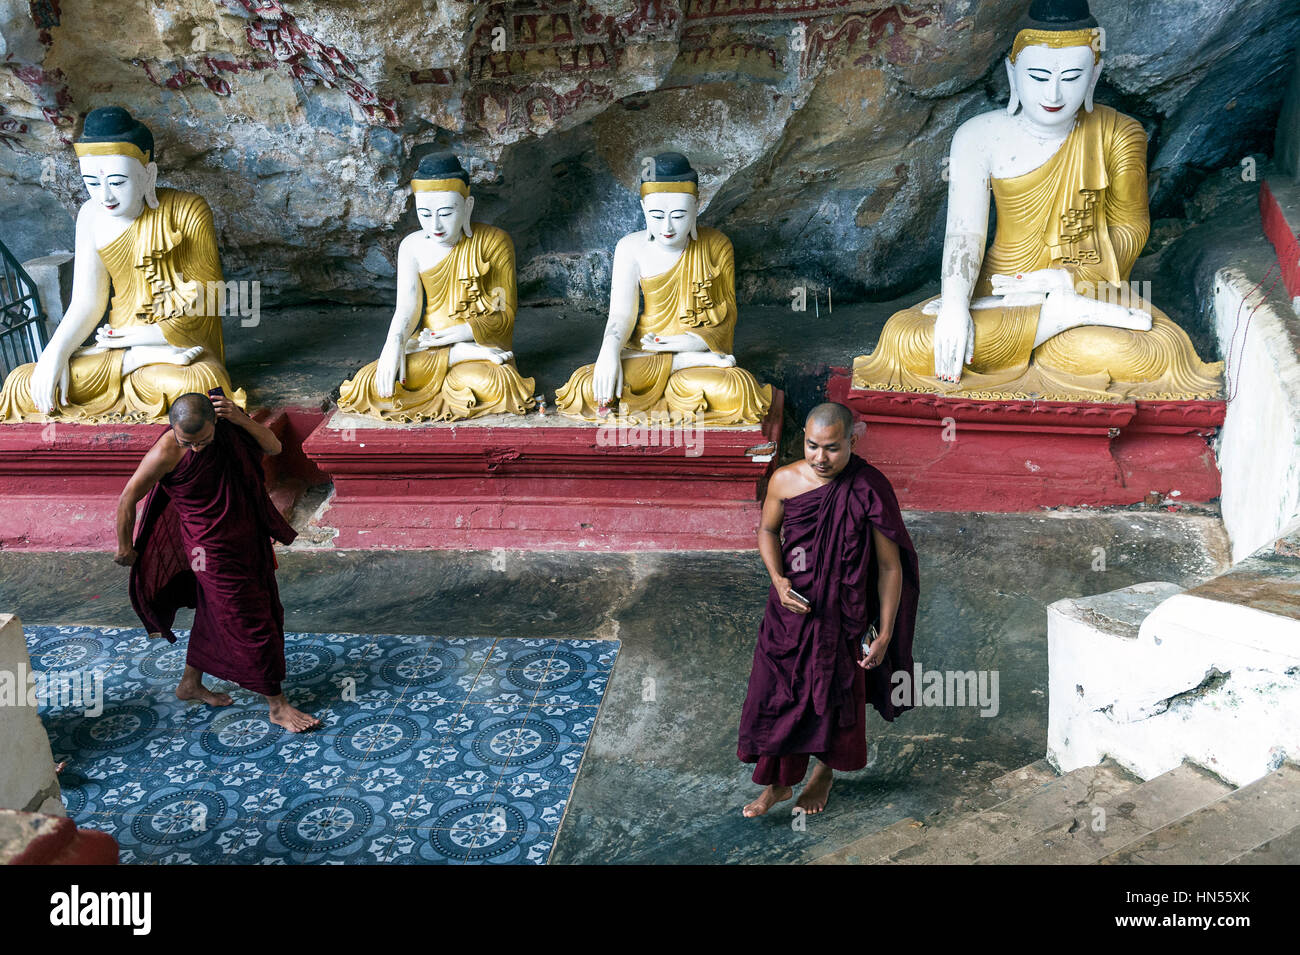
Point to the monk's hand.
(788, 602)
(954, 340)
(875, 653)
(125, 557)
(227, 409)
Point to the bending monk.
(847, 554)
(205, 542)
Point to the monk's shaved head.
(191, 412)
(830, 415)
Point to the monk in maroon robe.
(205, 542)
(846, 565)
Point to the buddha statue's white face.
(1053, 84)
(444, 216)
(670, 217)
(121, 184)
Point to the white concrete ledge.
(28, 781)
(1213, 683)
(1259, 444)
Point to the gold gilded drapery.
(152, 266)
(474, 285)
(698, 294)
(1085, 211)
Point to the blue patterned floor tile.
(573, 723)
(178, 816)
(239, 733)
(460, 750)
(507, 651)
(69, 648)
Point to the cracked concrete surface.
(660, 781)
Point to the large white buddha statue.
(670, 361)
(1046, 311)
(456, 284)
(154, 251)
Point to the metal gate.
(22, 321)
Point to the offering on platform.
(456, 284)
(672, 362)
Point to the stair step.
(987, 833)
(1129, 816)
(1223, 830)
(868, 849)
(1282, 850)
(1011, 784)
(905, 832)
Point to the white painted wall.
(26, 764)
(1259, 445)
(1110, 690)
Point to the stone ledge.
(1259, 443)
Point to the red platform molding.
(956, 454)
(59, 483)
(544, 483)
(1284, 233)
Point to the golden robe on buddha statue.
(473, 285)
(697, 294)
(153, 266)
(1084, 211)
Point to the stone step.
(1129, 816)
(1012, 784)
(1283, 850)
(972, 838)
(1225, 829)
(876, 846)
(905, 832)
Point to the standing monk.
(205, 542)
(832, 536)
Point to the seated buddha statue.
(456, 283)
(155, 251)
(1046, 312)
(681, 367)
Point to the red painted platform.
(1284, 233)
(956, 454)
(545, 484)
(59, 483)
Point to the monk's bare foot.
(294, 720)
(768, 798)
(813, 798)
(193, 690)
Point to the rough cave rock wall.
(819, 127)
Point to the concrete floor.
(660, 781)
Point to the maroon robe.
(205, 542)
(807, 695)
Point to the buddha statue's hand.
(676, 343)
(446, 336)
(954, 340)
(389, 366)
(607, 378)
(106, 336)
(1040, 282)
(49, 382)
